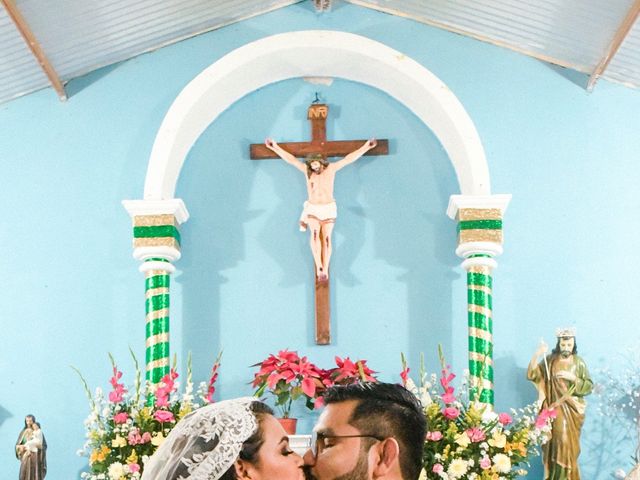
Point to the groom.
(367, 431)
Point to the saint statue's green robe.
(560, 453)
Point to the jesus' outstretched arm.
(355, 155)
(284, 155)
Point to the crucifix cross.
(319, 145)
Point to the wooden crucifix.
(320, 210)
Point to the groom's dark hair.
(387, 410)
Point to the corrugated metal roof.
(19, 71)
(625, 66)
(79, 36)
(571, 33)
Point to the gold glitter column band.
(157, 322)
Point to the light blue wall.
(71, 291)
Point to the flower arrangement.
(619, 392)
(126, 427)
(289, 377)
(467, 440)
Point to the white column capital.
(469, 249)
(156, 265)
(457, 202)
(173, 206)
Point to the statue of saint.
(320, 211)
(562, 381)
(31, 450)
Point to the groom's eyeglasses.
(319, 440)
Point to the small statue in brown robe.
(562, 380)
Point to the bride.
(236, 439)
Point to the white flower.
(425, 398)
(502, 463)
(116, 470)
(619, 473)
(457, 468)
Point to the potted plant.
(288, 377)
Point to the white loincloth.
(324, 213)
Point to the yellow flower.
(519, 448)
(145, 413)
(157, 439)
(99, 455)
(186, 409)
(463, 440)
(133, 458)
(118, 442)
(498, 440)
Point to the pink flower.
(318, 403)
(134, 467)
(505, 419)
(121, 417)
(449, 397)
(437, 468)
(434, 436)
(476, 434)
(404, 374)
(146, 437)
(163, 416)
(167, 385)
(451, 413)
(485, 462)
(544, 416)
(134, 437)
(212, 380)
(117, 395)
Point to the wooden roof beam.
(34, 46)
(614, 46)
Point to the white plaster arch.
(315, 53)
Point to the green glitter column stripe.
(156, 281)
(157, 374)
(478, 320)
(157, 302)
(486, 396)
(480, 225)
(156, 326)
(480, 330)
(159, 231)
(479, 279)
(159, 350)
(480, 298)
(477, 368)
(157, 305)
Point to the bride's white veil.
(205, 443)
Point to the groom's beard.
(359, 472)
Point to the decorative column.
(156, 243)
(479, 220)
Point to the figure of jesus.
(320, 210)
